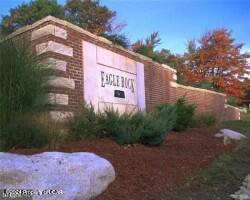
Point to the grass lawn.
(226, 174)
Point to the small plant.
(110, 121)
(85, 124)
(157, 125)
(185, 113)
(122, 127)
(131, 128)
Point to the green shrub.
(131, 128)
(139, 127)
(204, 120)
(124, 128)
(185, 113)
(24, 132)
(110, 121)
(157, 125)
(85, 124)
(21, 81)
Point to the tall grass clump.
(24, 132)
(21, 80)
(21, 87)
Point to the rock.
(76, 175)
(226, 140)
(240, 197)
(218, 135)
(232, 134)
(244, 192)
(247, 179)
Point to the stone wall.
(59, 44)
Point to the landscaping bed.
(226, 174)
(146, 172)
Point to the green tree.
(87, 14)
(90, 15)
(29, 13)
(95, 18)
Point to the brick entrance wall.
(59, 45)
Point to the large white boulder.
(72, 176)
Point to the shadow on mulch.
(142, 173)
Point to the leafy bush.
(185, 113)
(85, 124)
(24, 132)
(21, 81)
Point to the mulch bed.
(145, 172)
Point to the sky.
(176, 20)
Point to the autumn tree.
(147, 47)
(215, 60)
(29, 13)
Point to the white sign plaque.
(112, 80)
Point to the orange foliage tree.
(216, 60)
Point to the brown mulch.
(144, 172)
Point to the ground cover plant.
(225, 175)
